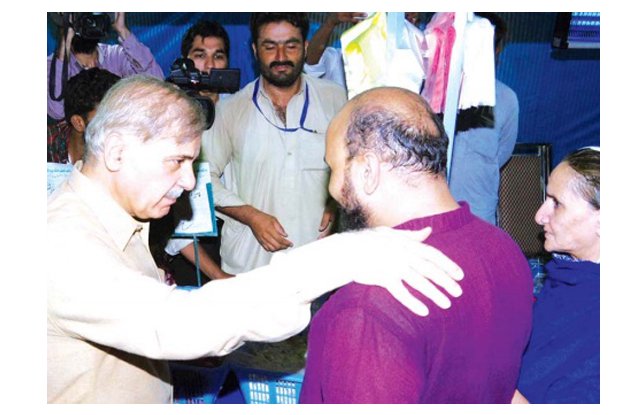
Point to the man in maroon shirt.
(387, 152)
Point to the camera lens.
(92, 25)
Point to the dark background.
(558, 90)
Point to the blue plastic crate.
(266, 387)
(196, 384)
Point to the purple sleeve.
(131, 57)
(55, 108)
(363, 361)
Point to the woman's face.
(570, 223)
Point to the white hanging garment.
(478, 75)
(382, 51)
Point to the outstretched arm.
(120, 25)
(382, 256)
(133, 57)
(269, 303)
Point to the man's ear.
(369, 172)
(305, 49)
(114, 147)
(254, 50)
(78, 123)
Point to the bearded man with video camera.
(79, 47)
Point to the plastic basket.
(266, 387)
(196, 384)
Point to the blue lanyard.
(302, 118)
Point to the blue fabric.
(561, 363)
(479, 153)
(558, 98)
(163, 32)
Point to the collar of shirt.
(566, 257)
(293, 103)
(300, 91)
(441, 222)
(564, 269)
(118, 223)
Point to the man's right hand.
(269, 232)
(266, 228)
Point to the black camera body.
(188, 77)
(92, 25)
(185, 75)
(86, 25)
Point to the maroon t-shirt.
(365, 347)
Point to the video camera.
(92, 25)
(86, 25)
(185, 75)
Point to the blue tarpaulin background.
(558, 90)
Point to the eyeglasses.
(302, 117)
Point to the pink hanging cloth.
(440, 36)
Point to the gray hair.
(146, 108)
(587, 183)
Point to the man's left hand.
(381, 256)
(325, 227)
(120, 25)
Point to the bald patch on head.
(395, 124)
(404, 103)
(340, 122)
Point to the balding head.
(399, 126)
(402, 102)
(387, 143)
